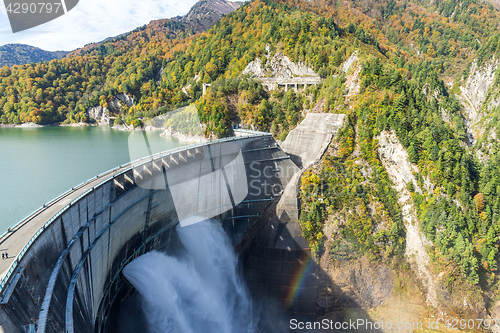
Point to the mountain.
(205, 13)
(202, 16)
(409, 190)
(20, 54)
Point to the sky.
(92, 21)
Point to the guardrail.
(245, 131)
(128, 166)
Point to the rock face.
(495, 310)
(349, 62)
(278, 66)
(279, 70)
(347, 284)
(282, 246)
(352, 69)
(121, 99)
(184, 137)
(99, 114)
(205, 6)
(401, 171)
(395, 160)
(115, 104)
(474, 93)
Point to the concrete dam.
(66, 259)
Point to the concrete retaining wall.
(312, 136)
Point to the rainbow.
(299, 279)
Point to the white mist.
(201, 292)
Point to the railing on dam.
(108, 175)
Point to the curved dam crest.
(67, 276)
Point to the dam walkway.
(17, 239)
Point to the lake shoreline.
(168, 132)
(33, 125)
(165, 132)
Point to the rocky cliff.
(396, 162)
(351, 67)
(121, 100)
(99, 114)
(401, 171)
(474, 93)
(277, 66)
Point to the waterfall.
(199, 292)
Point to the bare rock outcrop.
(99, 114)
(205, 13)
(120, 100)
(352, 69)
(278, 66)
(401, 171)
(126, 99)
(474, 93)
(353, 58)
(206, 7)
(396, 162)
(353, 284)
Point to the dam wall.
(67, 277)
(279, 263)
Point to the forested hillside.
(18, 54)
(132, 63)
(409, 63)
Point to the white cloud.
(92, 21)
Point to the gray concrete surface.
(279, 255)
(310, 138)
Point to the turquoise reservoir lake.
(39, 164)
